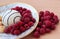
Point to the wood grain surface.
(51, 5)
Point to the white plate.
(27, 32)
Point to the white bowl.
(34, 14)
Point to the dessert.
(25, 22)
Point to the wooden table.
(51, 5)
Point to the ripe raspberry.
(24, 9)
(41, 13)
(20, 11)
(42, 31)
(16, 32)
(48, 30)
(27, 19)
(26, 26)
(27, 15)
(7, 30)
(38, 29)
(46, 13)
(39, 24)
(42, 19)
(30, 23)
(28, 11)
(56, 20)
(17, 8)
(22, 29)
(47, 17)
(43, 26)
(48, 23)
(33, 20)
(20, 23)
(52, 14)
(36, 34)
(53, 27)
(12, 31)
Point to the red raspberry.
(48, 23)
(24, 13)
(48, 30)
(39, 24)
(20, 11)
(27, 15)
(33, 20)
(27, 19)
(53, 27)
(17, 8)
(47, 17)
(7, 30)
(26, 26)
(24, 9)
(20, 23)
(46, 13)
(56, 20)
(36, 34)
(38, 29)
(22, 29)
(43, 26)
(12, 31)
(41, 13)
(30, 23)
(28, 11)
(42, 19)
(16, 32)
(42, 31)
(52, 14)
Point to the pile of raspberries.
(24, 24)
(47, 22)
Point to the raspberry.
(20, 23)
(12, 31)
(20, 11)
(41, 13)
(33, 20)
(52, 14)
(46, 13)
(7, 30)
(36, 34)
(10, 27)
(56, 20)
(16, 32)
(47, 17)
(39, 24)
(30, 23)
(24, 9)
(48, 30)
(38, 29)
(27, 19)
(42, 31)
(28, 11)
(26, 26)
(42, 19)
(27, 15)
(43, 26)
(22, 29)
(17, 8)
(48, 23)
(53, 27)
